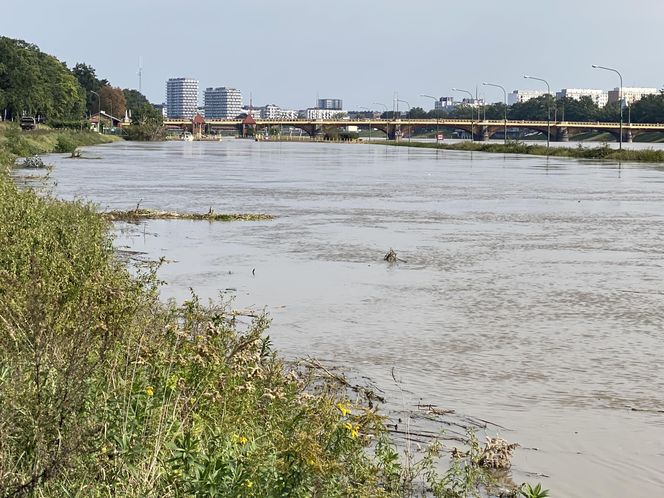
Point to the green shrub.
(65, 143)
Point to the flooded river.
(530, 292)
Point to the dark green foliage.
(134, 99)
(147, 124)
(71, 124)
(87, 78)
(650, 109)
(36, 84)
(65, 143)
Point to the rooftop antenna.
(251, 103)
(140, 73)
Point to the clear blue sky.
(289, 51)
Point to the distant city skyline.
(291, 53)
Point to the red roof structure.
(198, 120)
(249, 120)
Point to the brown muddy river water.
(531, 293)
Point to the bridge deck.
(595, 125)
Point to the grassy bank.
(598, 153)
(16, 143)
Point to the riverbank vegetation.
(16, 143)
(598, 153)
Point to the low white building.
(631, 95)
(444, 104)
(316, 114)
(287, 114)
(600, 97)
(521, 96)
(271, 111)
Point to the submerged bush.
(65, 143)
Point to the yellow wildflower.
(248, 483)
(239, 439)
(343, 409)
(149, 391)
(353, 430)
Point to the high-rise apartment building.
(334, 104)
(181, 98)
(222, 103)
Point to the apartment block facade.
(222, 103)
(181, 98)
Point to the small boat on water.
(187, 137)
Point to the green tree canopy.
(35, 83)
(134, 99)
(650, 109)
(87, 78)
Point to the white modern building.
(631, 95)
(287, 114)
(222, 103)
(315, 113)
(271, 111)
(600, 97)
(444, 104)
(181, 98)
(521, 96)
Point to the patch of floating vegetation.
(152, 214)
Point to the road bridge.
(481, 129)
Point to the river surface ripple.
(531, 293)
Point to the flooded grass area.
(528, 291)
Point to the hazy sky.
(287, 52)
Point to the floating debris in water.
(33, 162)
(151, 214)
(497, 453)
(391, 257)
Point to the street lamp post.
(505, 94)
(548, 108)
(595, 66)
(409, 108)
(435, 100)
(472, 112)
(99, 116)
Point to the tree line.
(36, 84)
(649, 109)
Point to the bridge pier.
(562, 134)
(628, 137)
(393, 132)
(484, 134)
